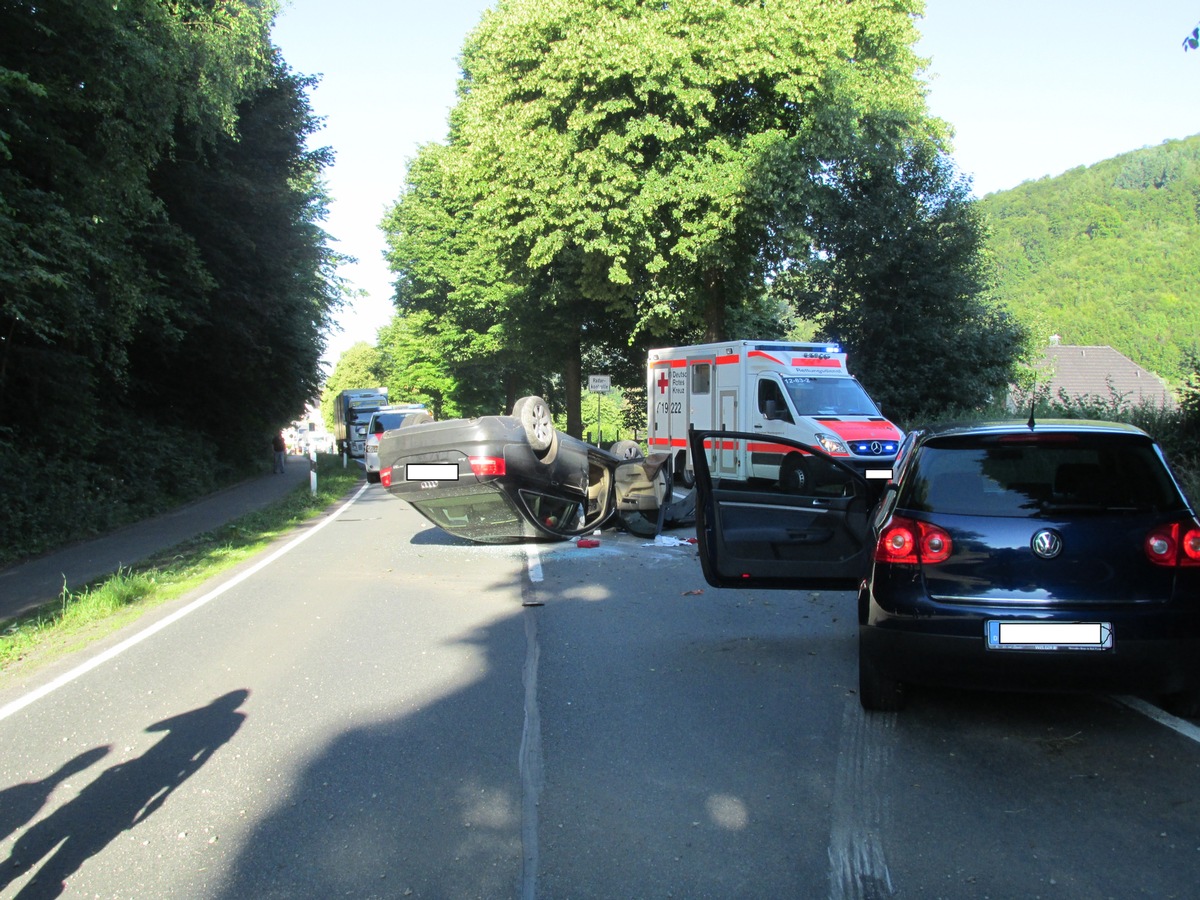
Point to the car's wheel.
(877, 692)
(373, 477)
(626, 450)
(534, 416)
(793, 475)
(417, 418)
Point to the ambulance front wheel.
(793, 475)
(686, 476)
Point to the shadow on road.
(116, 801)
(20, 803)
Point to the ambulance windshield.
(829, 397)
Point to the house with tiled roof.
(1100, 373)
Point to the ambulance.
(801, 391)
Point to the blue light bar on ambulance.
(874, 448)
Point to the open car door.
(757, 534)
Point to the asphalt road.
(376, 709)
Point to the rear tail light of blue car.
(1175, 545)
(905, 541)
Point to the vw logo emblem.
(876, 447)
(1047, 543)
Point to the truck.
(797, 390)
(352, 412)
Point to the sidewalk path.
(25, 586)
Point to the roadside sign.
(599, 384)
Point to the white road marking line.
(534, 562)
(95, 662)
(1184, 727)
(531, 767)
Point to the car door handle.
(809, 536)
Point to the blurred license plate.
(1049, 636)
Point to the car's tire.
(877, 692)
(626, 450)
(417, 418)
(793, 474)
(373, 477)
(534, 416)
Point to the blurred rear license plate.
(1049, 636)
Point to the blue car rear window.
(1029, 478)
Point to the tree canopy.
(897, 273)
(163, 270)
(607, 178)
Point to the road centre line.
(112, 652)
(533, 560)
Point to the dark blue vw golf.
(1055, 555)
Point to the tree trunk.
(714, 306)
(573, 385)
(510, 392)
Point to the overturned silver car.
(501, 479)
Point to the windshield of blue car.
(1026, 478)
(828, 396)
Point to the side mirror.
(771, 413)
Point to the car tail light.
(487, 465)
(1176, 544)
(385, 476)
(908, 542)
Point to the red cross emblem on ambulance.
(663, 383)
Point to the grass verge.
(79, 617)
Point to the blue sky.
(1031, 87)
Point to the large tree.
(92, 98)
(161, 252)
(247, 346)
(162, 262)
(896, 271)
(604, 163)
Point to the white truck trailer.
(351, 415)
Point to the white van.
(801, 391)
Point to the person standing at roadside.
(280, 447)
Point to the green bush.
(88, 484)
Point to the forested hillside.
(1108, 254)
